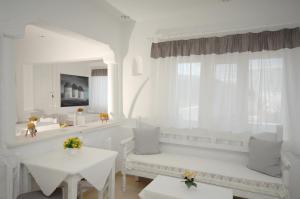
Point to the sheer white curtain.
(291, 96)
(98, 94)
(234, 92)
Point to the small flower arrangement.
(33, 119)
(80, 110)
(189, 177)
(104, 117)
(31, 129)
(73, 143)
(30, 125)
(64, 125)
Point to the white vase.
(72, 151)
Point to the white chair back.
(11, 167)
(103, 143)
(108, 143)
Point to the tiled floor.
(132, 189)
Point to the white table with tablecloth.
(51, 169)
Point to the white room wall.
(42, 80)
(40, 46)
(48, 75)
(27, 89)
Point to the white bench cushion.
(234, 175)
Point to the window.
(188, 86)
(221, 92)
(226, 73)
(98, 94)
(224, 89)
(265, 91)
(225, 81)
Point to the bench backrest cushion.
(146, 141)
(206, 139)
(264, 156)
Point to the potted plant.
(189, 177)
(72, 145)
(31, 129)
(104, 117)
(33, 119)
(80, 110)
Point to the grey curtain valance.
(99, 72)
(253, 42)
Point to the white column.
(112, 109)
(1, 88)
(115, 86)
(120, 91)
(7, 89)
(110, 89)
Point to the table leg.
(26, 180)
(72, 182)
(100, 195)
(112, 183)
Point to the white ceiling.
(49, 45)
(141, 10)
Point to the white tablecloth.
(163, 187)
(50, 169)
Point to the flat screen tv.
(74, 90)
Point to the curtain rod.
(189, 35)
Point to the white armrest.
(127, 146)
(286, 164)
(285, 169)
(127, 141)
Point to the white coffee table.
(163, 187)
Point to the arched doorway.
(46, 45)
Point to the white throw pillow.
(264, 156)
(146, 141)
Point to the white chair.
(84, 185)
(10, 165)
(10, 162)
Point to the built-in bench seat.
(228, 171)
(222, 173)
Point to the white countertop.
(89, 127)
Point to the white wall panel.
(47, 81)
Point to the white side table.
(163, 187)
